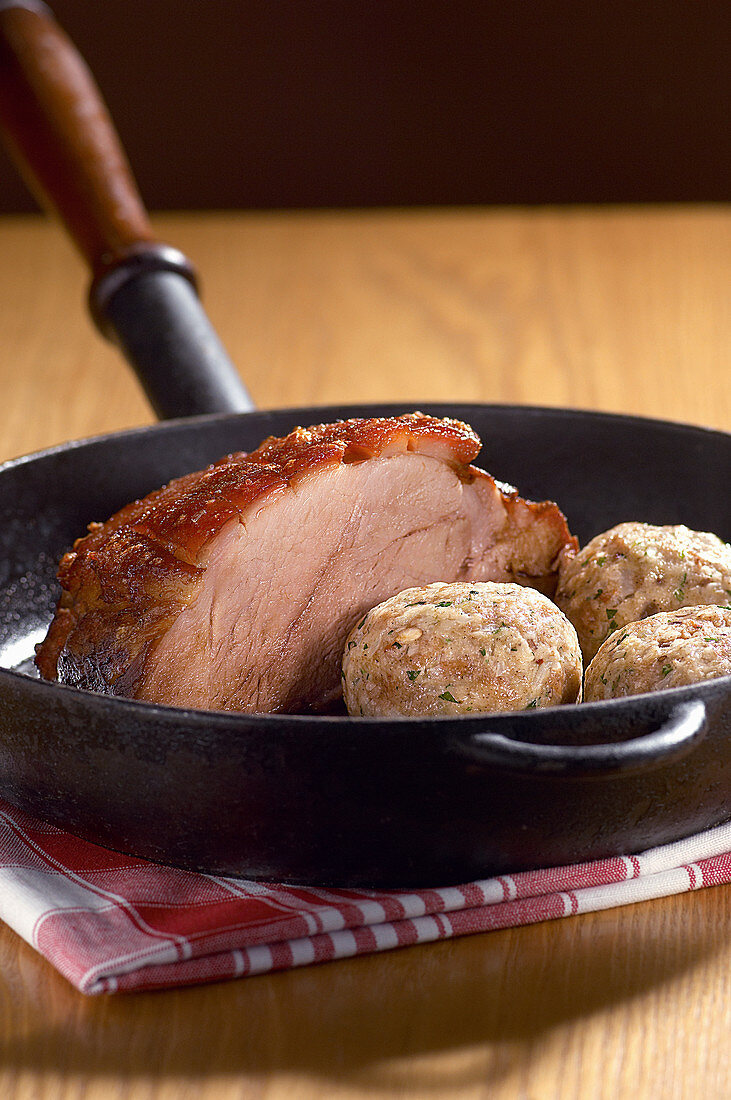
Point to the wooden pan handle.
(143, 293)
(59, 131)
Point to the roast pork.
(234, 588)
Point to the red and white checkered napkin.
(109, 922)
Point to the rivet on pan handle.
(684, 729)
(143, 294)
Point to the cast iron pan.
(332, 800)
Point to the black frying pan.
(333, 800)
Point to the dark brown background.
(282, 103)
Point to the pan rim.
(392, 408)
(662, 700)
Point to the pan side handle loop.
(685, 727)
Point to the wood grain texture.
(619, 309)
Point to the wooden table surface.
(618, 309)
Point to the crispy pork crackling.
(234, 588)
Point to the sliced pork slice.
(234, 588)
